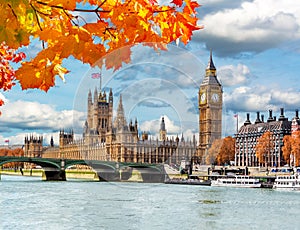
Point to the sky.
(256, 48)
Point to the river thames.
(29, 203)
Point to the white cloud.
(17, 139)
(287, 97)
(153, 126)
(232, 75)
(253, 27)
(247, 99)
(261, 98)
(34, 115)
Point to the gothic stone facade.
(108, 139)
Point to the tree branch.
(78, 10)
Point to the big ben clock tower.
(210, 109)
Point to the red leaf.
(177, 2)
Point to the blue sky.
(256, 47)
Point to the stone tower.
(65, 138)
(122, 131)
(210, 108)
(33, 146)
(162, 130)
(99, 117)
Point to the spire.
(210, 73)
(95, 95)
(51, 142)
(162, 124)
(90, 96)
(136, 124)
(120, 120)
(110, 97)
(210, 65)
(162, 131)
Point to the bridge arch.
(52, 167)
(43, 162)
(149, 173)
(106, 171)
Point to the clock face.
(215, 97)
(203, 97)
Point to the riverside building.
(109, 138)
(248, 135)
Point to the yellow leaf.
(61, 71)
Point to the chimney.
(257, 118)
(281, 118)
(247, 122)
(297, 114)
(270, 116)
(262, 118)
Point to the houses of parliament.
(107, 138)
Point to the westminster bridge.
(54, 168)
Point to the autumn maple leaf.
(108, 33)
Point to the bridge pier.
(148, 174)
(108, 176)
(54, 175)
(153, 177)
(125, 174)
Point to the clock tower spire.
(210, 69)
(210, 109)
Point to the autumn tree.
(287, 148)
(296, 147)
(213, 151)
(12, 152)
(265, 145)
(291, 148)
(97, 32)
(227, 151)
(222, 151)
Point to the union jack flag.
(96, 75)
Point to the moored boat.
(289, 182)
(237, 181)
(192, 180)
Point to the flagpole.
(237, 123)
(100, 79)
(100, 82)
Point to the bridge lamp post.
(117, 170)
(62, 164)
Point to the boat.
(191, 180)
(289, 182)
(241, 181)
